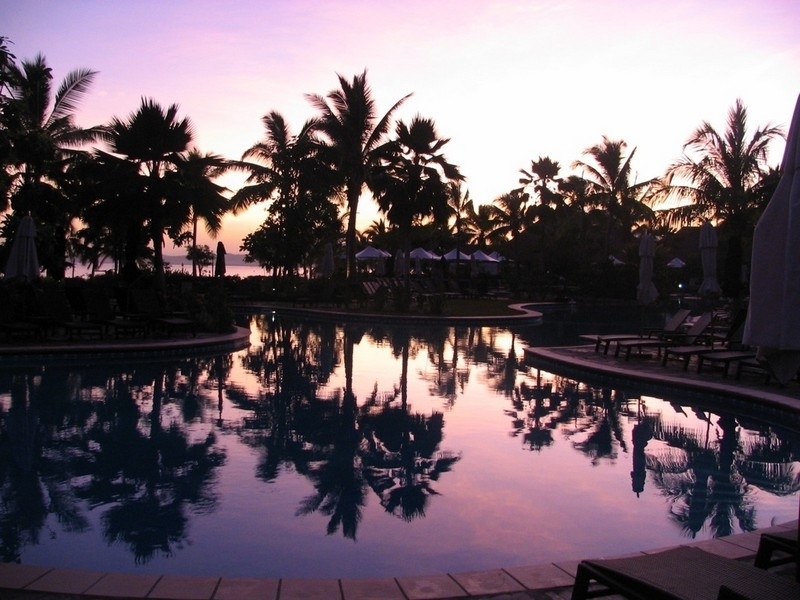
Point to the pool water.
(366, 450)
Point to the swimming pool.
(366, 450)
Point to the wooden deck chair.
(54, 313)
(690, 336)
(683, 573)
(672, 325)
(784, 543)
(148, 307)
(732, 349)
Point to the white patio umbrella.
(371, 252)
(481, 256)
(379, 256)
(676, 263)
(23, 261)
(646, 292)
(456, 255)
(421, 254)
(708, 257)
(773, 317)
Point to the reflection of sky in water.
(517, 494)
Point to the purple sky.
(507, 81)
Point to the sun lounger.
(672, 325)
(691, 336)
(753, 365)
(705, 352)
(683, 573)
(784, 543)
(724, 358)
(13, 322)
(148, 307)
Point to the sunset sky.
(506, 81)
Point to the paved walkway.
(547, 581)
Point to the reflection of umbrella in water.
(773, 317)
(641, 435)
(708, 257)
(646, 292)
(23, 262)
(219, 266)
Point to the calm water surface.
(363, 450)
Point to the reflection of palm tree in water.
(149, 480)
(704, 484)
(401, 463)
(377, 446)
(23, 508)
(339, 482)
(600, 442)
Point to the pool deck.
(551, 581)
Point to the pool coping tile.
(493, 581)
(184, 587)
(246, 588)
(537, 577)
(310, 589)
(14, 576)
(430, 587)
(65, 581)
(371, 589)
(124, 585)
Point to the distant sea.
(234, 265)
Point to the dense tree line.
(119, 190)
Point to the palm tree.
(410, 181)
(510, 215)
(42, 139)
(722, 175)
(479, 225)
(611, 190)
(154, 138)
(292, 172)
(200, 196)
(459, 208)
(348, 120)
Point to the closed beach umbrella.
(23, 262)
(219, 265)
(400, 267)
(773, 317)
(327, 268)
(708, 257)
(646, 292)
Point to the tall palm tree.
(459, 208)
(202, 199)
(292, 173)
(479, 225)
(41, 139)
(154, 138)
(410, 181)
(355, 134)
(611, 188)
(721, 174)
